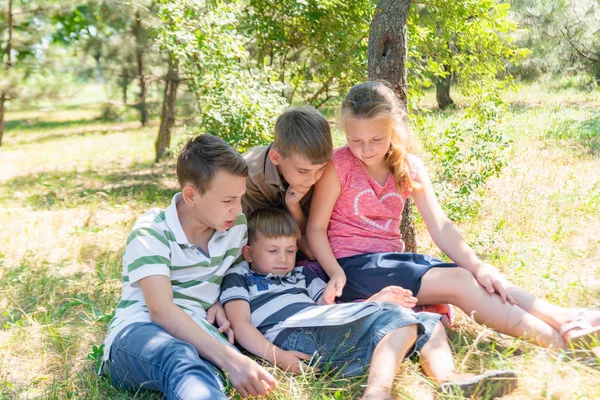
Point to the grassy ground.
(71, 187)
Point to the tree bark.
(167, 116)
(7, 52)
(139, 56)
(387, 61)
(442, 90)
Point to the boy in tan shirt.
(283, 173)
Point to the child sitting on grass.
(276, 312)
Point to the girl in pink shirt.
(353, 230)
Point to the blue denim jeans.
(348, 348)
(145, 356)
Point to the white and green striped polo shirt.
(157, 245)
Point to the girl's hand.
(217, 313)
(397, 295)
(334, 287)
(491, 280)
(291, 361)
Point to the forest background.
(97, 96)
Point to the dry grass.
(69, 194)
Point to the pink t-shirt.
(366, 216)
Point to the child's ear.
(275, 156)
(189, 195)
(247, 253)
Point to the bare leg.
(438, 364)
(459, 287)
(436, 357)
(387, 357)
(553, 315)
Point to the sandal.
(580, 332)
(490, 384)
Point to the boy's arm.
(292, 202)
(247, 377)
(238, 313)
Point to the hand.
(249, 378)
(293, 197)
(217, 313)
(291, 361)
(395, 294)
(491, 280)
(334, 287)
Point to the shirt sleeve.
(314, 284)
(234, 286)
(253, 199)
(147, 253)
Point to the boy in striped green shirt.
(162, 337)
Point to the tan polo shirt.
(264, 186)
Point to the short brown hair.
(304, 131)
(272, 223)
(202, 157)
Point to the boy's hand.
(249, 378)
(217, 313)
(395, 294)
(491, 280)
(293, 196)
(334, 287)
(291, 361)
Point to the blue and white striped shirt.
(278, 303)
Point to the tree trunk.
(125, 84)
(7, 52)
(442, 90)
(139, 53)
(167, 116)
(2, 100)
(387, 61)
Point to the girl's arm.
(326, 192)
(238, 311)
(449, 240)
(246, 376)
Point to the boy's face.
(297, 171)
(220, 205)
(275, 256)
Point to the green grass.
(71, 187)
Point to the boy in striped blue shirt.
(161, 337)
(276, 312)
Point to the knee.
(188, 375)
(461, 283)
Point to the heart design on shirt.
(368, 220)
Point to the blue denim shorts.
(348, 348)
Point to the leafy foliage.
(236, 100)
(468, 154)
(317, 49)
(468, 39)
(564, 36)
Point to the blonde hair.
(272, 223)
(306, 132)
(374, 100)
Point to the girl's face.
(369, 139)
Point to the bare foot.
(583, 329)
(377, 393)
(490, 384)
